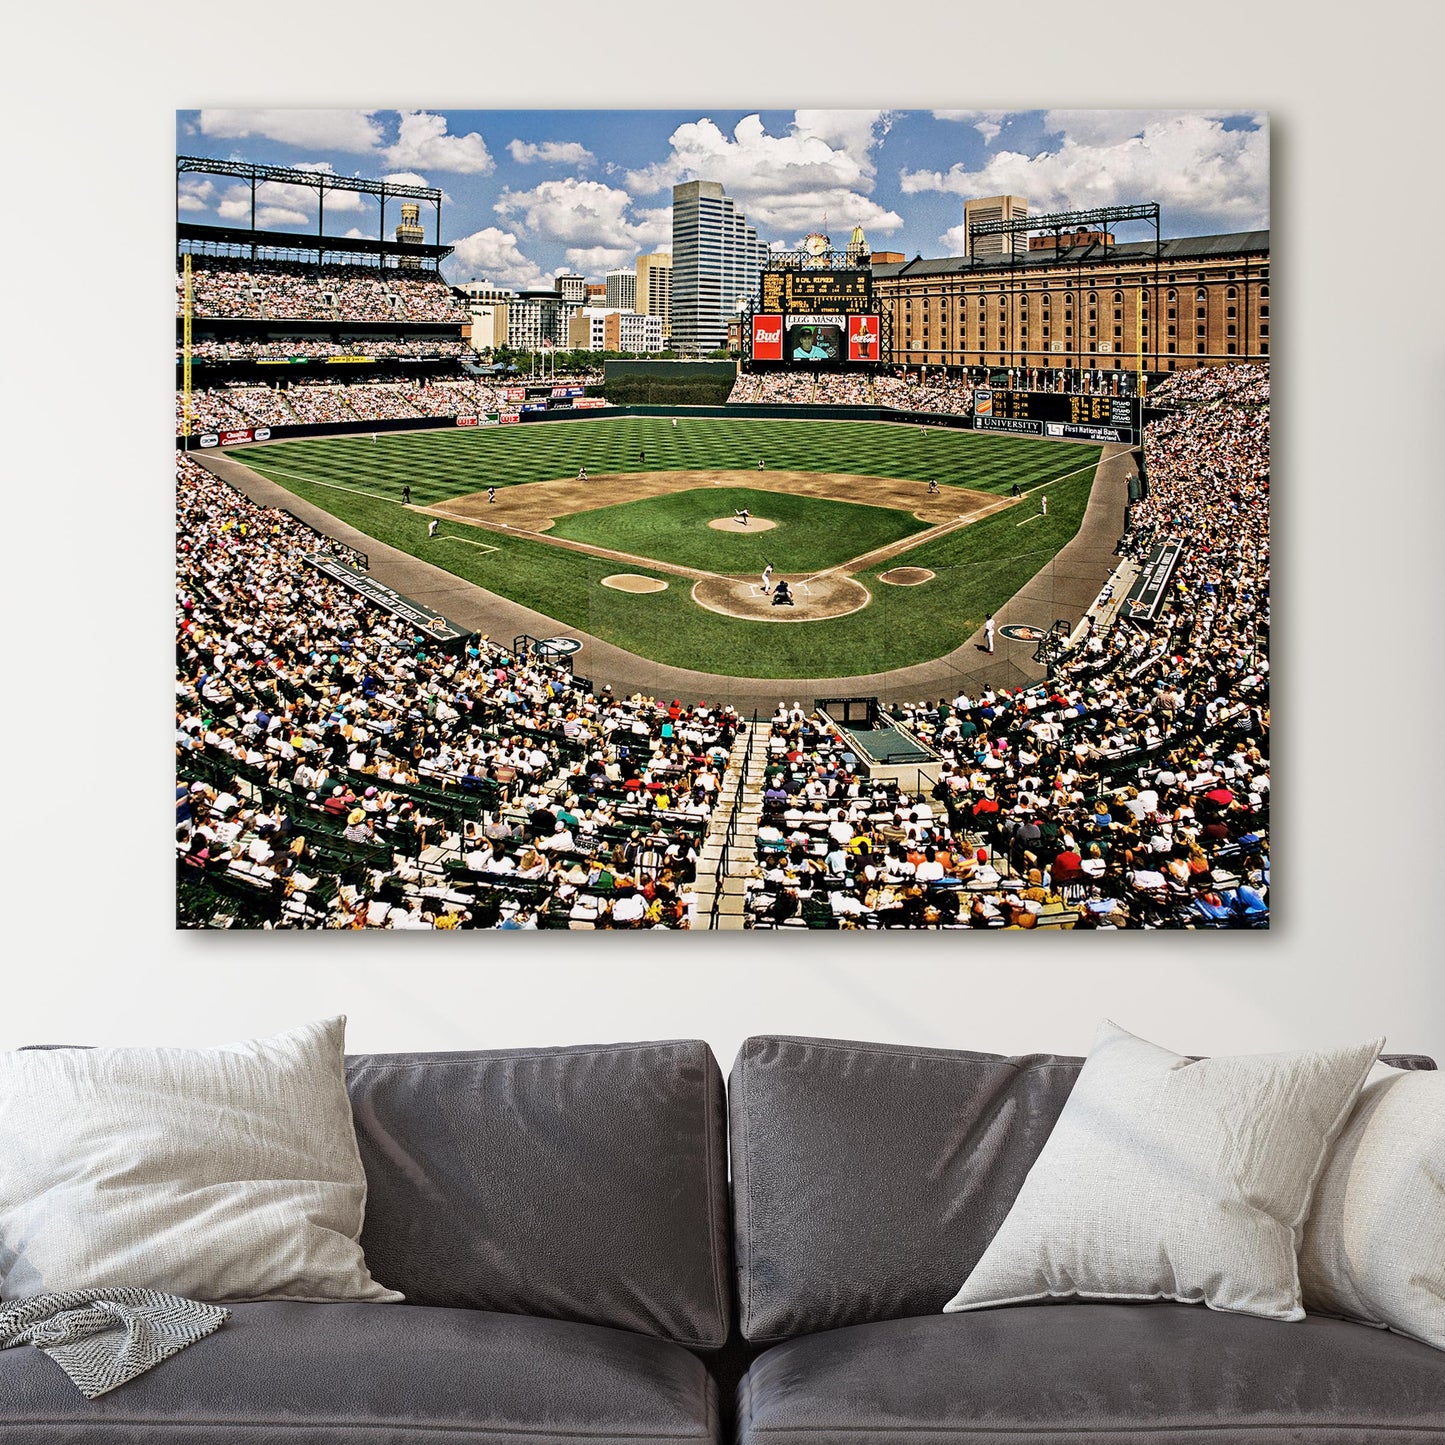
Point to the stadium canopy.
(321, 182)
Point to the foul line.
(485, 546)
(315, 482)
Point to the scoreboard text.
(808, 292)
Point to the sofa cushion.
(1175, 1178)
(322, 1374)
(1104, 1374)
(869, 1178)
(575, 1183)
(224, 1173)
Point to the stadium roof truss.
(321, 182)
(1070, 222)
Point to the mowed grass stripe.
(900, 627)
(452, 462)
(810, 533)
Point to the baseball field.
(660, 547)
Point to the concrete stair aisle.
(744, 833)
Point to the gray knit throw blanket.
(103, 1337)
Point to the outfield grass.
(811, 533)
(979, 567)
(453, 461)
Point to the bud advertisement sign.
(768, 338)
(863, 338)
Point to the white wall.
(1357, 529)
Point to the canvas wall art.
(812, 520)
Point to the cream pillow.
(1171, 1178)
(219, 1174)
(1374, 1244)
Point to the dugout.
(886, 751)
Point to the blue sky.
(531, 193)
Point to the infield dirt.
(535, 506)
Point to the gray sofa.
(559, 1221)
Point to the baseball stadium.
(820, 636)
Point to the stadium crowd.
(251, 349)
(305, 403)
(224, 286)
(949, 395)
(1130, 791)
(336, 771)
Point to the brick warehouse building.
(1205, 303)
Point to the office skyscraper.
(716, 261)
(996, 208)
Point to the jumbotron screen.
(816, 339)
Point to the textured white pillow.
(1374, 1244)
(219, 1174)
(1167, 1178)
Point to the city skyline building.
(654, 287)
(621, 290)
(717, 258)
(994, 208)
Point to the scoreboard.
(1055, 406)
(810, 292)
(1053, 413)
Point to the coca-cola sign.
(768, 338)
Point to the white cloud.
(593, 221)
(1109, 127)
(493, 255)
(278, 199)
(340, 130)
(551, 152)
(823, 166)
(194, 194)
(268, 217)
(1185, 160)
(595, 261)
(423, 144)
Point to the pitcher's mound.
(733, 524)
(814, 598)
(907, 576)
(631, 582)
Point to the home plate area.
(815, 598)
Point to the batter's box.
(798, 589)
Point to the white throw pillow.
(219, 1174)
(1167, 1178)
(1374, 1244)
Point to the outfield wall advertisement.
(1088, 433)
